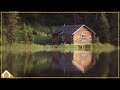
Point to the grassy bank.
(23, 48)
(62, 47)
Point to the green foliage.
(4, 40)
(97, 40)
(43, 28)
(42, 38)
(27, 34)
(38, 25)
(99, 47)
(4, 36)
(18, 48)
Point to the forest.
(33, 27)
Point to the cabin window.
(83, 37)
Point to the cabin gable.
(83, 36)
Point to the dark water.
(61, 64)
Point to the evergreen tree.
(12, 27)
(103, 28)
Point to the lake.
(61, 64)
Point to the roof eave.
(89, 29)
(77, 30)
(81, 27)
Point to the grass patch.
(23, 48)
(99, 47)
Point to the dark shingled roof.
(69, 29)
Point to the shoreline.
(61, 47)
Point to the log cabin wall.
(77, 37)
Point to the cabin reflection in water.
(83, 60)
(72, 61)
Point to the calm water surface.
(61, 64)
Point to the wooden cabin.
(73, 34)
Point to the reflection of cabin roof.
(71, 29)
(79, 66)
(83, 69)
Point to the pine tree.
(12, 27)
(113, 22)
(103, 28)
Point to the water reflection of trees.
(10, 64)
(28, 62)
(109, 61)
(17, 63)
(61, 63)
(114, 64)
(103, 64)
(106, 65)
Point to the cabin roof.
(71, 29)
